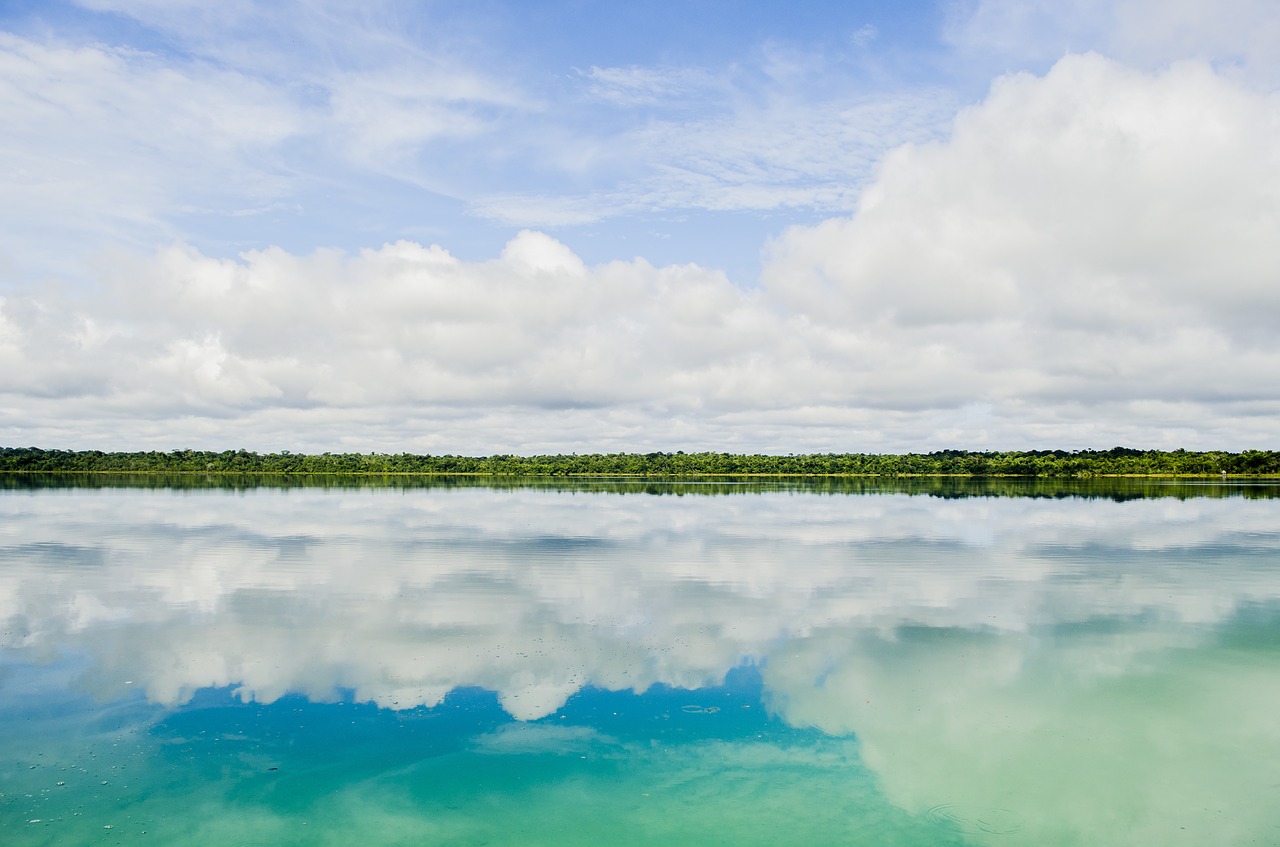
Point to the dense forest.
(1118, 461)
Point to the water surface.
(230, 661)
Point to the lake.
(450, 662)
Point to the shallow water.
(601, 663)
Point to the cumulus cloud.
(1096, 234)
(404, 327)
(1091, 191)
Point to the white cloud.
(386, 118)
(864, 35)
(1085, 190)
(112, 146)
(403, 328)
(109, 142)
(637, 85)
(751, 146)
(1092, 235)
(1238, 35)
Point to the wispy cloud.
(107, 142)
(636, 85)
(776, 154)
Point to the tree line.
(1118, 461)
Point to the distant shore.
(1117, 462)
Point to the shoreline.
(648, 476)
(1116, 463)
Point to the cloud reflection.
(989, 653)
(404, 597)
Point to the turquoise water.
(620, 664)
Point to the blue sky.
(844, 226)
(666, 130)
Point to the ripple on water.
(974, 819)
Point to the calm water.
(639, 664)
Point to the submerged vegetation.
(1118, 461)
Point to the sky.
(574, 226)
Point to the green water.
(467, 665)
